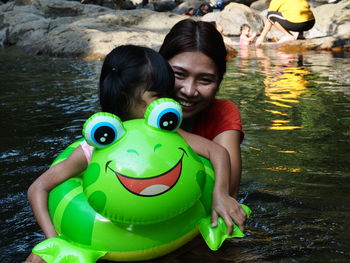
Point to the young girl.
(246, 38)
(131, 78)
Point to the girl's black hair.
(189, 35)
(127, 72)
(244, 26)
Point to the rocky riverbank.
(69, 28)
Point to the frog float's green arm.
(144, 194)
(215, 236)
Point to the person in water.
(246, 37)
(196, 52)
(131, 78)
(287, 16)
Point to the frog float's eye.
(165, 114)
(103, 129)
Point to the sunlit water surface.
(296, 179)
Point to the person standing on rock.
(287, 16)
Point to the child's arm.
(40, 188)
(223, 204)
(252, 36)
(231, 141)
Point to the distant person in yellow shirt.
(286, 16)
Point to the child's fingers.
(239, 217)
(32, 258)
(229, 224)
(214, 218)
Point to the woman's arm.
(40, 188)
(223, 204)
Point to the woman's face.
(196, 81)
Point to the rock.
(164, 5)
(68, 28)
(3, 37)
(260, 5)
(233, 16)
(181, 8)
(211, 17)
(331, 19)
(194, 3)
(243, 2)
(322, 43)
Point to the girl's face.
(138, 108)
(196, 81)
(246, 31)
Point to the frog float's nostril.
(133, 151)
(107, 166)
(156, 147)
(182, 149)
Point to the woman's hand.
(32, 258)
(229, 209)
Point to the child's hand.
(259, 41)
(32, 258)
(229, 209)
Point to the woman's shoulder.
(224, 105)
(221, 115)
(221, 111)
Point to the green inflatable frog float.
(144, 194)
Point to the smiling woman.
(196, 52)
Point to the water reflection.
(295, 110)
(285, 85)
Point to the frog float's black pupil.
(104, 135)
(169, 121)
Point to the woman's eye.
(206, 81)
(103, 129)
(179, 75)
(164, 114)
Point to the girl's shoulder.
(87, 150)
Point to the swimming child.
(246, 38)
(131, 78)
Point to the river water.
(296, 169)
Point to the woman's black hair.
(189, 35)
(127, 72)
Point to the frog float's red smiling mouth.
(151, 186)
